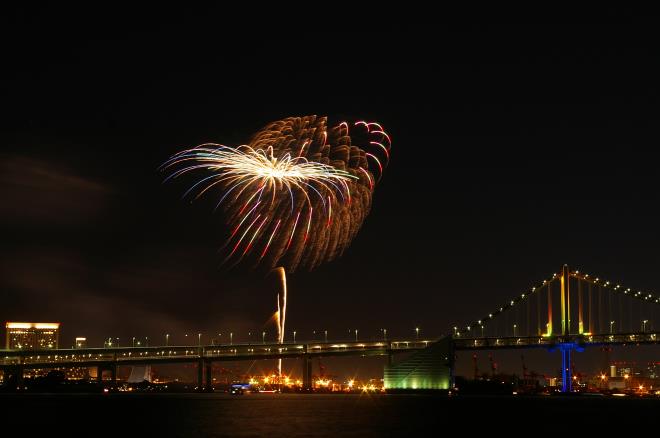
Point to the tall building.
(81, 342)
(32, 335)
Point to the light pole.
(356, 333)
(384, 334)
(611, 324)
(455, 331)
(294, 336)
(186, 336)
(231, 338)
(167, 340)
(133, 341)
(417, 333)
(263, 337)
(199, 338)
(326, 335)
(514, 330)
(482, 330)
(117, 345)
(147, 341)
(644, 325)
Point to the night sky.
(516, 148)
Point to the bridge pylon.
(307, 373)
(565, 301)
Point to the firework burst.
(296, 194)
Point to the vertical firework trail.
(281, 315)
(293, 197)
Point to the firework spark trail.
(282, 315)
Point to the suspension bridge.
(569, 311)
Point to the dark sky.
(516, 148)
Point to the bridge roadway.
(236, 352)
(207, 353)
(549, 342)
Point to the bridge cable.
(538, 313)
(591, 308)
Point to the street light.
(482, 330)
(147, 341)
(356, 332)
(294, 336)
(231, 338)
(199, 338)
(167, 340)
(515, 326)
(644, 325)
(384, 334)
(133, 341)
(263, 337)
(417, 333)
(326, 335)
(611, 324)
(455, 331)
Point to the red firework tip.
(380, 166)
(295, 224)
(362, 122)
(243, 236)
(387, 153)
(309, 223)
(384, 134)
(371, 183)
(243, 220)
(271, 238)
(249, 245)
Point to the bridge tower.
(565, 301)
(566, 346)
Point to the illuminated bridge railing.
(86, 357)
(550, 341)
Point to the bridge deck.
(550, 341)
(207, 353)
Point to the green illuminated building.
(427, 369)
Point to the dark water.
(193, 415)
